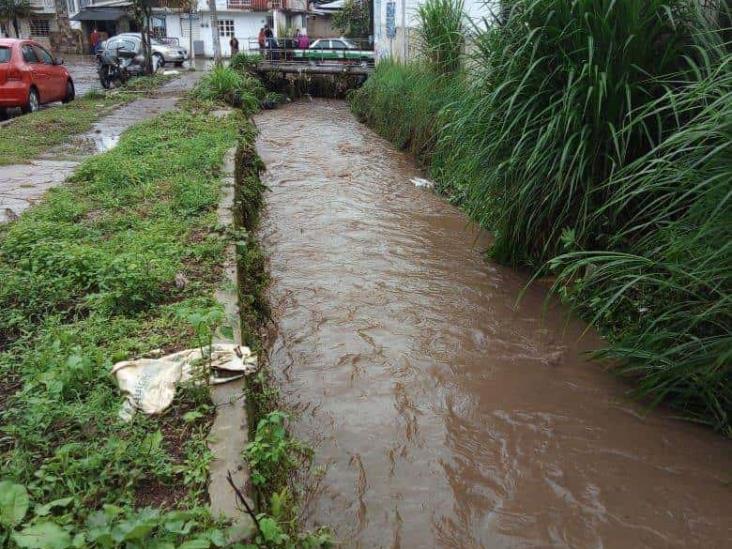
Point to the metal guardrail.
(252, 43)
(307, 57)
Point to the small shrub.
(227, 85)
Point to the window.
(40, 27)
(226, 27)
(43, 55)
(4, 54)
(124, 44)
(337, 45)
(28, 55)
(322, 45)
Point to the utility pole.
(405, 31)
(190, 34)
(215, 32)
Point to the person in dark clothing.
(234, 44)
(270, 42)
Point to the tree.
(12, 10)
(354, 19)
(215, 32)
(142, 13)
(62, 19)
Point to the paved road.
(21, 185)
(83, 70)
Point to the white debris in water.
(170, 73)
(422, 183)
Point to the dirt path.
(23, 184)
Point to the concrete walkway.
(21, 185)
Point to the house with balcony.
(39, 27)
(239, 18)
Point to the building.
(239, 18)
(320, 15)
(39, 27)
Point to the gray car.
(162, 53)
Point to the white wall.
(246, 25)
(406, 21)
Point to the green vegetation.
(244, 61)
(441, 34)
(235, 88)
(89, 278)
(354, 19)
(275, 459)
(30, 135)
(593, 139)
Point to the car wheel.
(179, 64)
(158, 61)
(70, 92)
(33, 102)
(3, 113)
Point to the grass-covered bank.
(26, 137)
(279, 464)
(90, 276)
(593, 139)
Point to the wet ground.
(83, 70)
(445, 415)
(23, 184)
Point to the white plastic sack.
(149, 383)
(422, 183)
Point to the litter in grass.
(422, 183)
(149, 383)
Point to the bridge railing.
(252, 43)
(309, 56)
(293, 56)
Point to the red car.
(30, 76)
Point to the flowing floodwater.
(443, 414)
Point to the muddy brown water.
(442, 415)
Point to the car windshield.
(4, 54)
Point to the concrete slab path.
(21, 185)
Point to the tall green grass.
(664, 283)
(593, 138)
(404, 103)
(441, 33)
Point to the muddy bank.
(443, 414)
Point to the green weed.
(592, 138)
(229, 86)
(30, 135)
(441, 34)
(90, 278)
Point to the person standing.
(262, 39)
(270, 42)
(303, 42)
(94, 41)
(234, 44)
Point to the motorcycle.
(119, 65)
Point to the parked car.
(30, 76)
(162, 53)
(335, 49)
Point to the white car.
(161, 52)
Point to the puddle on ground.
(23, 184)
(443, 414)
